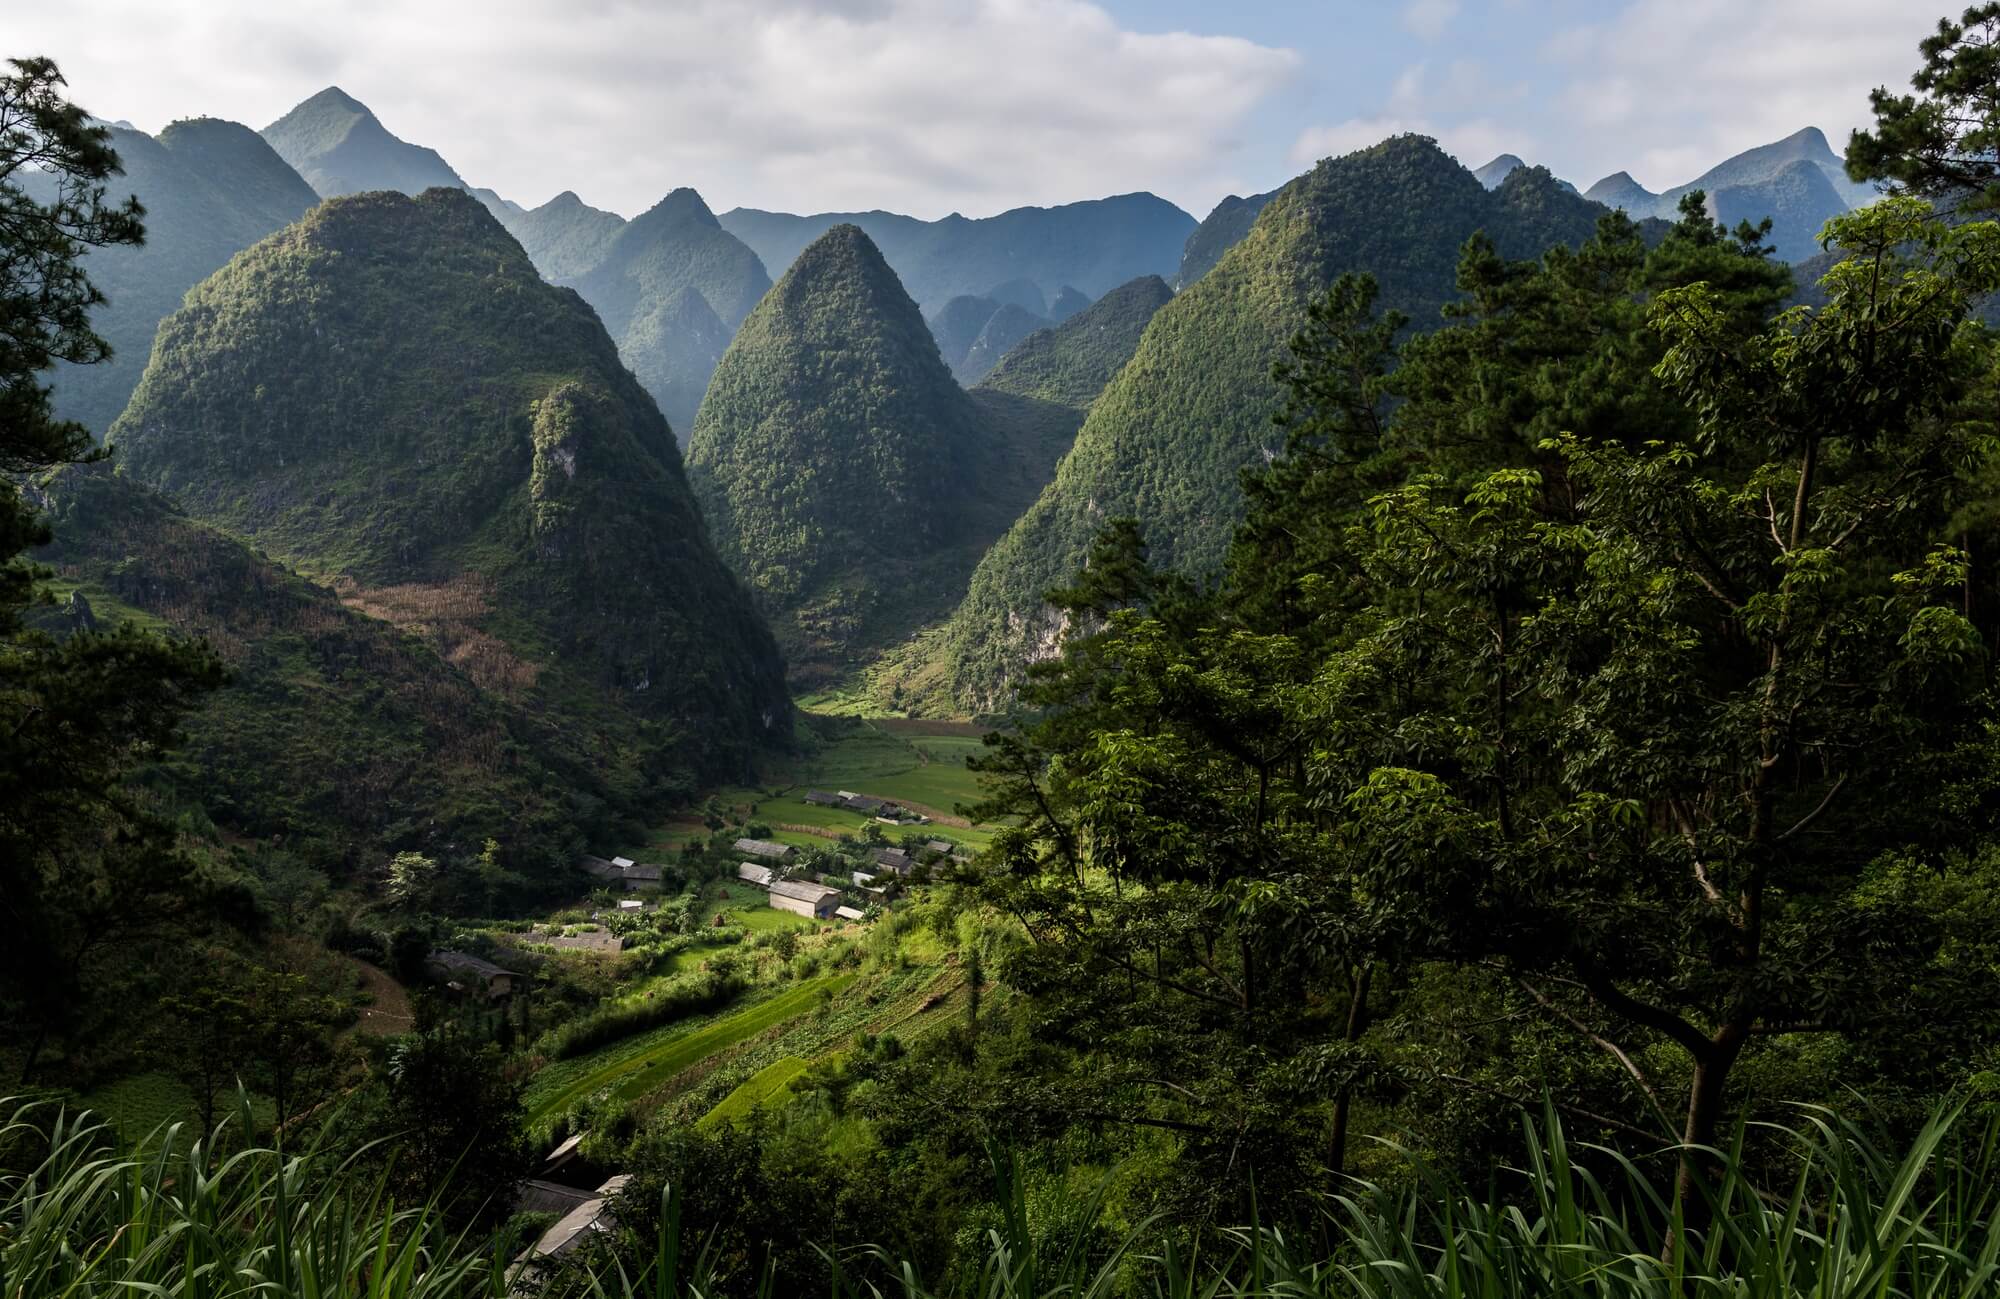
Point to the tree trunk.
(1702, 1132)
(1343, 1104)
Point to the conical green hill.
(388, 396)
(1167, 439)
(838, 461)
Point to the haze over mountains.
(882, 438)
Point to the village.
(740, 915)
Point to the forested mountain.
(211, 189)
(957, 323)
(387, 395)
(639, 287)
(1070, 363)
(1094, 245)
(338, 145)
(1035, 399)
(338, 739)
(1066, 303)
(838, 461)
(1167, 440)
(997, 337)
(1221, 230)
(564, 237)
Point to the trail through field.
(640, 1072)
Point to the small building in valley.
(639, 875)
(820, 798)
(599, 868)
(868, 804)
(763, 850)
(752, 873)
(894, 860)
(589, 1220)
(849, 913)
(815, 901)
(472, 974)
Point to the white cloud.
(1429, 19)
(1667, 88)
(906, 104)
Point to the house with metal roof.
(766, 852)
(814, 901)
(752, 873)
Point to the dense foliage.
(211, 189)
(1221, 230)
(1094, 245)
(387, 395)
(91, 875)
(565, 236)
(671, 287)
(957, 323)
(998, 336)
(838, 460)
(338, 740)
(1593, 700)
(1168, 437)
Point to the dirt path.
(389, 1013)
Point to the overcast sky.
(933, 106)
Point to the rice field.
(632, 1068)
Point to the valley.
(639, 744)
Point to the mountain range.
(211, 188)
(1166, 440)
(838, 408)
(387, 396)
(1798, 182)
(1093, 246)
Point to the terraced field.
(760, 1089)
(631, 1069)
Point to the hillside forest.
(1432, 734)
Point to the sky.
(975, 106)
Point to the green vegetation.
(671, 286)
(957, 323)
(388, 396)
(997, 337)
(767, 1087)
(1166, 441)
(337, 737)
(1221, 230)
(211, 189)
(1857, 1223)
(838, 461)
(564, 237)
(647, 1061)
(1069, 364)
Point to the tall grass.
(187, 1217)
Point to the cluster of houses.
(868, 805)
(762, 865)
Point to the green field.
(765, 1087)
(636, 1067)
